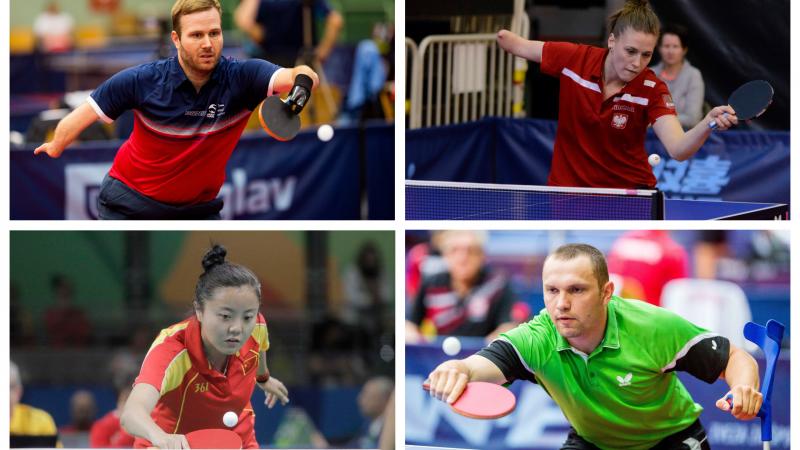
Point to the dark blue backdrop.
(733, 165)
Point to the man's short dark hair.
(569, 252)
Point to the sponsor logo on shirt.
(619, 121)
(649, 83)
(668, 101)
(212, 112)
(619, 107)
(626, 381)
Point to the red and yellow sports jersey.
(193, 395)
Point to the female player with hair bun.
(207, 365)
(607, 100)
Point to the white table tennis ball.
(325, 133)
(654, 159)
(230, 419)
(451, 346)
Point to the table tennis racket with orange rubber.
(281, 119)
(214, 438)
(481, 400)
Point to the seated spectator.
(66, 324)
(372, 402)
(685, 81)
(30, 427)
(107, 432)
(470, 299)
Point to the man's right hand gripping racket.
(281, 119)
(749, 100)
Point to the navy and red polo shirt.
(600, 143)
(181, 138)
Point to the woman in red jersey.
(207, 365)
(607, 100)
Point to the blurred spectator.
(333, 361)
(296, 429)
(372, 65)
(372, 402)
(107, 432)
(470, 299)
(641, 262)
(423, 260)
(82, 410)
(19, 319)
(685, 81)
(711, 246)
(277, 28)
(368, 296)
(30, 427)
(387, 435)
(67, 325)
(53, 29)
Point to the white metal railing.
(412, 53)
(463, 77)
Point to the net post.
(657, 208)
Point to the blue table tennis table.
(441, 200)
(722, 210)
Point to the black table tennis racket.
(281, 119)
(749, 100)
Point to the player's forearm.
(690, 142)
(481, 369)
(742, 369)
(137, 422)
(71, 126)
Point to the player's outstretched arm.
(683, 145)
(136, 420)
(519, 46)
(284, 80)
(68, 129)
(741, 374)
(450, 378)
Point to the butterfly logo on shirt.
(625, 381)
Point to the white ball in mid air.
(325, 133)
(654, 159)
(451, 346)
(230, 419)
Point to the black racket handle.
(301, 92)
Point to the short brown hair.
(636, 14)
(185, 7)
(569, 252)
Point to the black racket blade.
(277, 119)
(751, 99)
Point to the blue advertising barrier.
(265, 179)
(537, 423)
(732, 165)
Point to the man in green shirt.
(610, 363)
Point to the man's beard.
(194, 66)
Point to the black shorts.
(117, 201)
(691, 438)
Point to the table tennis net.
(443, 200)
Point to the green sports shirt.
(625, 394)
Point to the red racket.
(481, 400)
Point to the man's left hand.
(746, 402)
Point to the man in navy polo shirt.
(189, 113)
